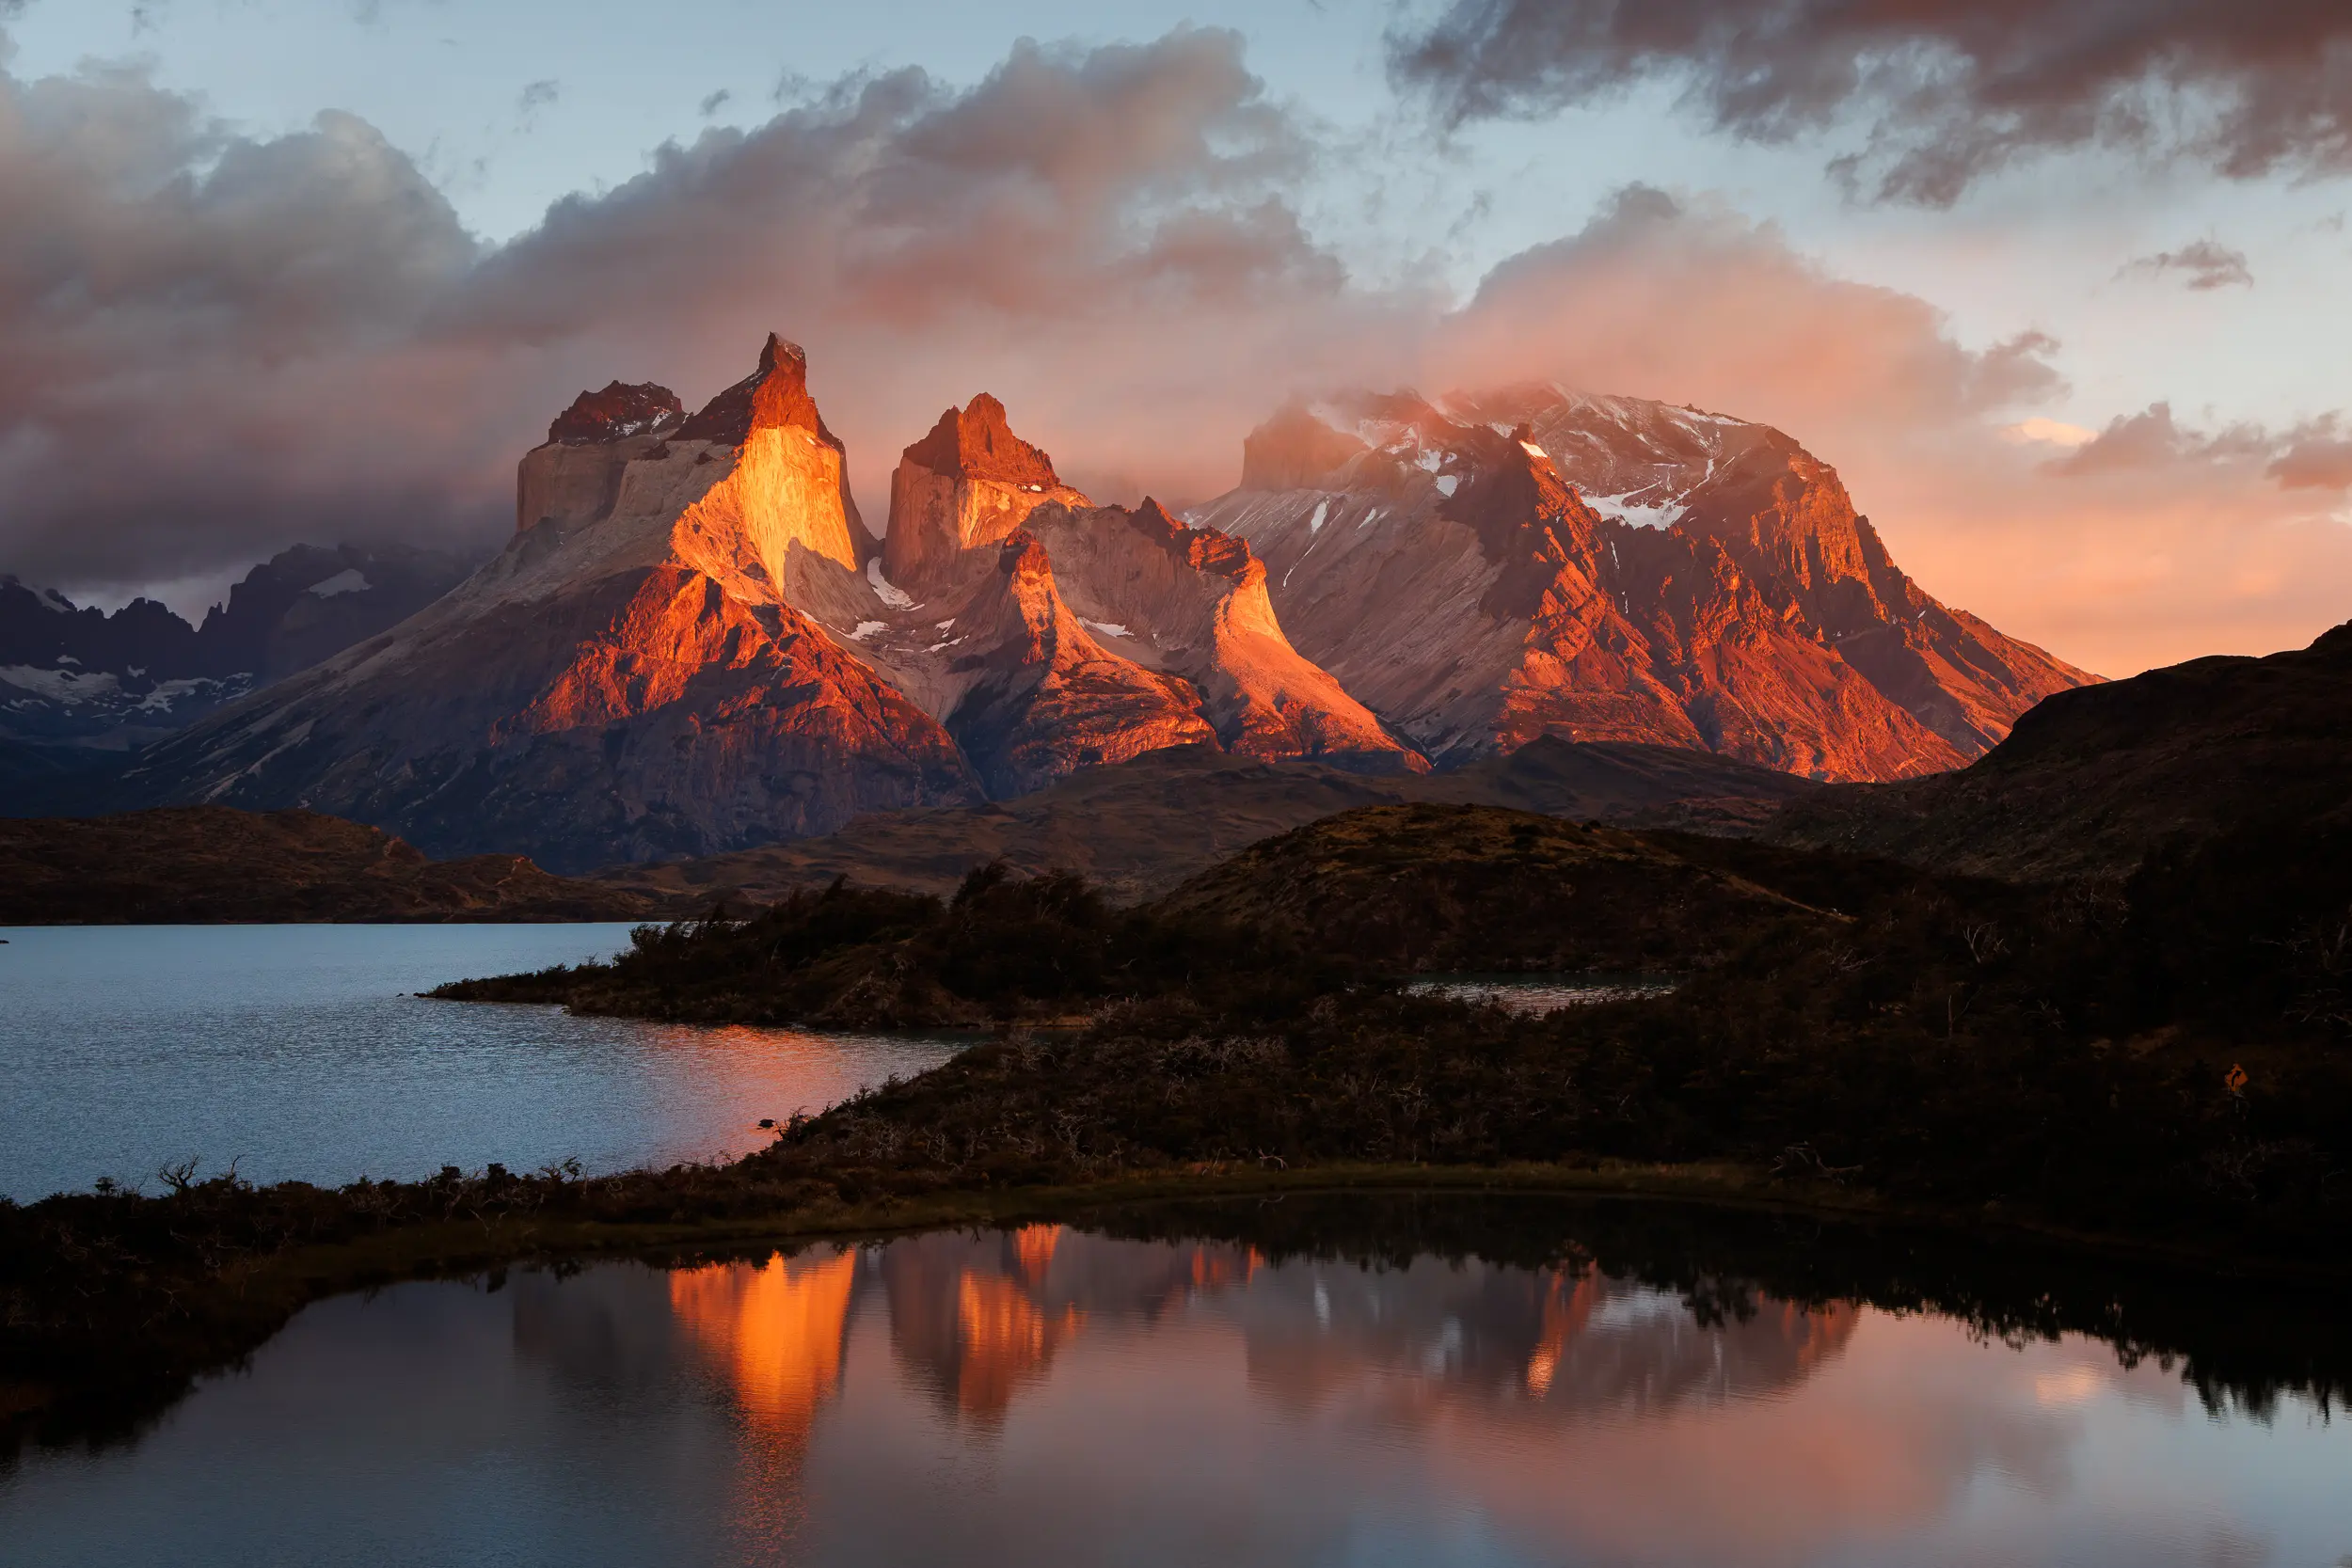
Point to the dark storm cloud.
(1947, 90)
(217, 345)
(2202, 264)
(185, 315)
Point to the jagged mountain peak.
(1201, 549)
(969, 482)
(621, 410)
(692, 643)
(976, 442)
(773, 397)
(1294, 450)
(1607, 567)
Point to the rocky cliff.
(1049, 634)
(692, 644)
(645, 670)
(75, 680)
(1539, 563)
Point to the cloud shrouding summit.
(221, 345)
(1947, 90)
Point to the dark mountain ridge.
(1138, 827)
(2100, 782)
(211, 865)
(78, 677)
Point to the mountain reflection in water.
(1053, 1394)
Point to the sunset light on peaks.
(1472, 783)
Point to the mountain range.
(74, 678)
(692, 643)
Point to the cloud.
(220, 345)
(2208, 263)
(2314, 456)
(1682, 300)
(1948, 90)
(2049, 432)
(536, 96)
(2151, 440)
(714, 103)
(199, 327)
(2142, 543)
(297, 338)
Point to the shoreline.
(1729, 1187)
(248, 1303)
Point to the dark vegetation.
(1380, 891)
(188, 865)
(2164, 1055)
(1136, 830)
(2245, 754)
(2157, 1047)
(2234, 1345)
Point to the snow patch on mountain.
(886, 591)
(1638, 514)
(350, 581)
(60, 686)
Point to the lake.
(1512, 1384)
(301, 1053)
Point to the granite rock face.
(1499, 567)
(1051, 634)
(692, 644)
(640, 673)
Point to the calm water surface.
(1052, 1396)
(302, 1052)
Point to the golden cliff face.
(692, 645)
(786, 490)
(1193, 602)
(659, 664)
(1052, 635)
(967, 485)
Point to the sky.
(2057, 285)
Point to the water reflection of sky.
(1047, 1396)
(304, 1050)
